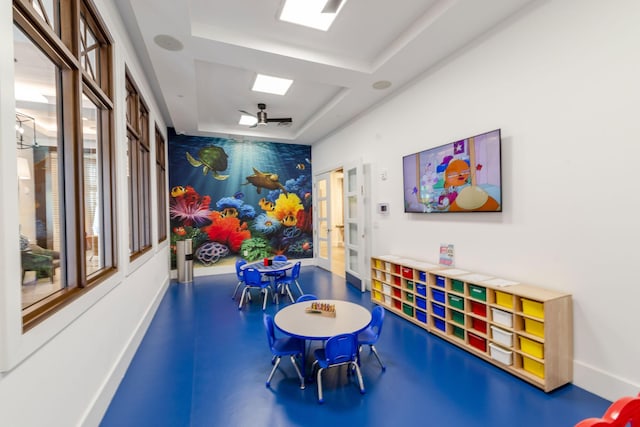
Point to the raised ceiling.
(202, 86)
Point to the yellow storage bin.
(531, 347)
(378, 264)
(503, 299)
(377, 285)
(533, 308)
(377, 295)
(533, 366)
(534, 327)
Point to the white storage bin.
(502, 317)
(387, 266)
(500, 354)
(378, 274)
(386, 289)
(502, 337)
(387, 277)
(387, 299)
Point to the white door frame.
(322, 223)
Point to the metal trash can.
(184, 260)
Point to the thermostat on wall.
(383, 208)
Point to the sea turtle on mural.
(266, 180)
(213, 158)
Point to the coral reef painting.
(239, 199)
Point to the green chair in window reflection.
(43, 261)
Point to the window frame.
(139, 169)
(63, 50)
(161, 185)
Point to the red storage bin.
(397, 304)
(397, 292)
(407, 273)
(396, 280)
(479, 325)
(477, 342)
(396, 268)
(478, 308)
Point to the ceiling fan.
(262, 120)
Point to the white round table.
(294, 321)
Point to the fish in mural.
(266, 205)
(232, 212)
(177, 191)
(213, 158)
(300, 166)
(266, 180)
(289, 220)
(239, 195)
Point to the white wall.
(64, 371)
(561, 81)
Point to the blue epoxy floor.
(204, 363)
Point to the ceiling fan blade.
(247, 113)
(332, 6)
(280, 120)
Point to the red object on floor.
(622, 413)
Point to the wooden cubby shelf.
(525, 330)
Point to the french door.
(354, 225)
(323, 220)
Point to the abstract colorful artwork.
(249, 199)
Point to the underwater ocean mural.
(239, 199)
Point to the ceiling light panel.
(270, 84)
(309, 13)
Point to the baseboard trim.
(96, 410)
(601, 383)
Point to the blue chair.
(370, 335)
(287, 281)
(306, 297)
(339, 350)
(253, 280)
(240, 275)
(289, 346)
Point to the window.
(161, 182)
(139, 173)
(64, 151)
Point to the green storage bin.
(457, 285)
(456, 302)
(478, 292)
(407, 309)
(457, 317)
(458, 332)
(408, 297)
(409, 285)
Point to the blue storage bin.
(440, 281)
(439, 323)
(437, 295)
(422, 275)
(421, 303)
(421, 289)
(421, 316)
(437, 309)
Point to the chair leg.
(319, 381)
(273, 370)
(375, 352)
(235, 291)
(359, 374)
(299, 288)
(242, 297)
(295, 365)
(286, 287)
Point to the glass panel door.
(323, 220)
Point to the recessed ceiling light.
(167, 42)
(381, 84)
(270, 84)
(309, 13)
(246, 120)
